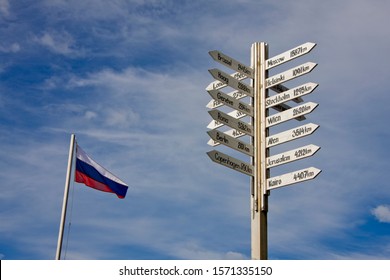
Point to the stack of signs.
(239, 128)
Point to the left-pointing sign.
(219, 85)
(232, 82)
(231, 142)
(232, 132)
(232, 63)
(235, 94)
(235, 114)
(232, 122)
(231, 102)
(231, 162)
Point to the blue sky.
(129, 78)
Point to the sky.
(128, 78)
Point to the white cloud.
(59, 43)
(382, 213)
(121, 118)
(90, 115)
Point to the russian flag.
(95, 176)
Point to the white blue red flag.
(95, 176)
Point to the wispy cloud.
(4, 7)
(13, 48)
(59, 42)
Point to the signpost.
(258, 130)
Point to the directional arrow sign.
(231, 102)
(220, 85)
(290, 94)
(231, 142)
(232, 82)
(231, 162)
(292, 134)
(290, 114)
(235, 94)
(232, 63)
(283, 107)
(289, 55)
(235, 114)
(232, 132)
(281, 88)
(292, 178)
(232, 122)
(292, 155)
(290, 74)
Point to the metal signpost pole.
(259, 196)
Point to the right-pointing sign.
(290, 74)
(291, 134)
(290, 114)
(290, 94)
(293, 155)
(289, 55)
(292, 178)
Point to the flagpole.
(65, 201)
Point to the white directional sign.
(232, 133)
(284, 107)
(290, 74)
(232, 82)
(290, 94)
(291, 134)
(292, 178)
(281, 88)
(235, 114)
(231, 162)
(293, 155)
(232, 63)
(231, 102)
(215, 104)
(290, 114)
(231, 142)
(289, 55)
(219, 85)
(232, 122)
